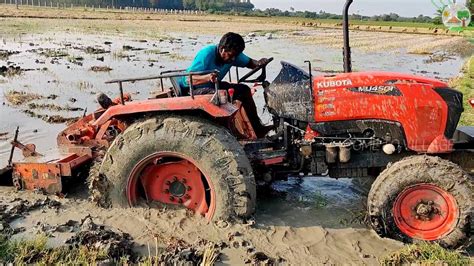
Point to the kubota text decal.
(334, 83)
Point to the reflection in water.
(312, 201)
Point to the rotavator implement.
(201, 152)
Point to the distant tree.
(394, 17)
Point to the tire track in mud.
(245, 242)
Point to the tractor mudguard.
(200, 102)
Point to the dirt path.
(304, 245)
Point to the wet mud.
(101, 69)
(18, 208)
(172, 236)
(4, 54)
(10, 71)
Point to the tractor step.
(264, 152)
(269, 157)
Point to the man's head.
(230, 46)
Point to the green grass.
(22, 252)
(37, 252)
(361, 22)
(320, 201)
(465, 84)
(425, 254)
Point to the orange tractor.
(200, 151)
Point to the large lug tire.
(167, 155)
(423, 198)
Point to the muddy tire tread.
(235, 184)
(422, 169)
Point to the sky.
(406, 8)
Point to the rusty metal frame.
(47, 176)
(166, 74)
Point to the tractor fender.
(200, 102)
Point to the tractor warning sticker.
(390, 90)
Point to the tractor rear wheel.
(423, 198)
(183, 161)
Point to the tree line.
(217, 5)
(270, 12)
(204, 5)
(243, 8)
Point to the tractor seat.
(174, 81)
(173, 91)
(176, 88)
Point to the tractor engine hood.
(289, 95)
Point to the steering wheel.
(260, 78)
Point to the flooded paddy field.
(52, 70)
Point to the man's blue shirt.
(207, 59)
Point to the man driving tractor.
(222, 57)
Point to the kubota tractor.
(200, 152)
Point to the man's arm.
(242, 60)
(254, 63)
(203, 79)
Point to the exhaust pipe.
(345, 28)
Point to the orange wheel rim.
(171, 178)
(425, 211)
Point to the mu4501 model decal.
(390, 90)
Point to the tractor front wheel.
(423, 198)
(183, 161)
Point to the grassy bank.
(465, 84)
(36, 252)
(425, 254)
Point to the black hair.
(232, 41)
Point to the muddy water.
(311, 201)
